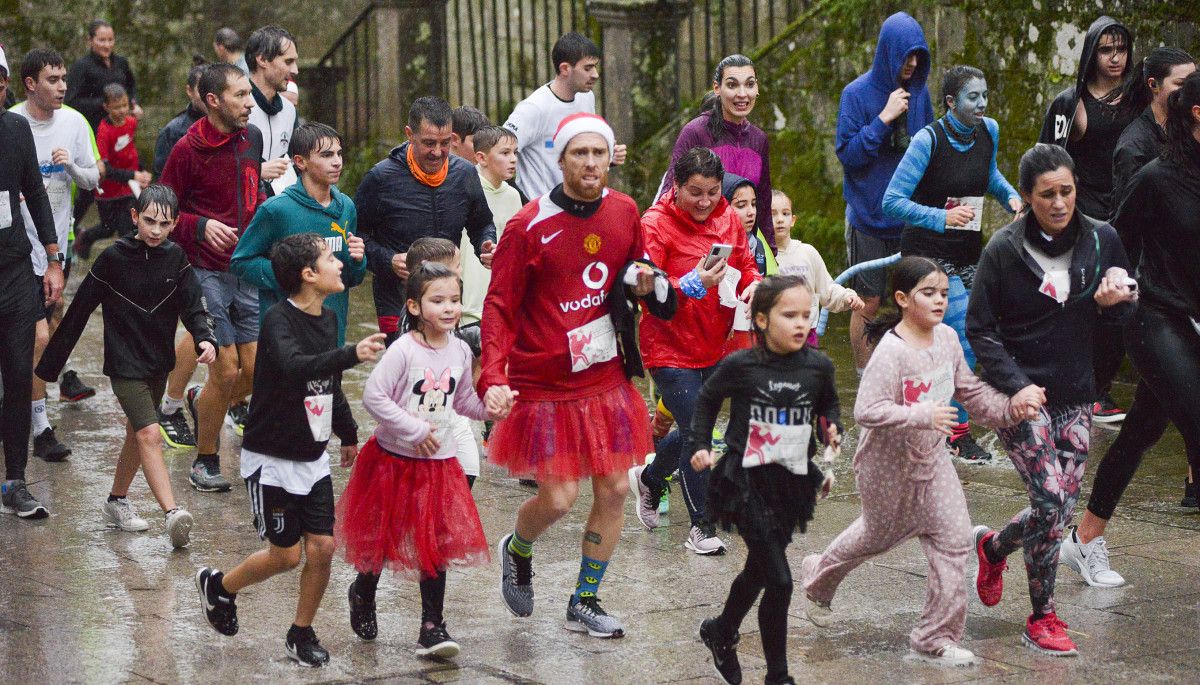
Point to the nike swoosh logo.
(547, 238)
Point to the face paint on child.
(970, 104)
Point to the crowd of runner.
(513, 286)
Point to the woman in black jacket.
(1164, 337)
(1045, 283)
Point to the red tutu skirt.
(413, 516)
(574, 439)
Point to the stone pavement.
(80, 603)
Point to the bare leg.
(318, 554)
(261, 565)
(214, 399)
(127, 463)
(553, 500)
(185, 366)
(150, 450)
(858, 341)
(608, 513)
(245, 380)
(40, 340)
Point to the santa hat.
(583, 122)
(3, 61)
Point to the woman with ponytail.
(724, 127)
(1164, 338)
(1158, 75)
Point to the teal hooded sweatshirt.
(289, 213)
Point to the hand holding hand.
(1114, 289)
(1027, 401)
(487, 253)
(826, 485)
(143, 178)
(959, 216)
(702, 459)
(945, 418)
(368, 348)
(1014, 203)
(208, 354)
(356, 247)
(349, 454)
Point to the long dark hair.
(418, 283)
(1089, 70)
(716, 119)
(765, 297)
(1181, 144)
(907, 273)
(1157, 65)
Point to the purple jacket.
(743, 149)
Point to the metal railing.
(350, 68)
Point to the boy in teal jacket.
(313, 204)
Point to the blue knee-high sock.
(956, 318)
(591, 572)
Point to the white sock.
(170, 405)
(40, 421)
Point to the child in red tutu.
(408, 506)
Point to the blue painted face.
(970, 104)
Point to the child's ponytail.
(907, 273)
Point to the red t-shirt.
(546, 329)
(119, 152)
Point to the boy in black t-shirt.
(297, 404)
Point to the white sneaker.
(645, 503)
(703, 539)
(948, 655)
(1090, 560)
(120, 514)
(820, 613)
(179, 527)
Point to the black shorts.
(282, 518)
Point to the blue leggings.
(956, 318)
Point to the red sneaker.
(989, 582)
(1048, 635)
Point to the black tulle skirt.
(765, 502)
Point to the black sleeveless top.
(950, 173)
(1093, 155)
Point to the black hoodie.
(145, 292)
(1022, 336)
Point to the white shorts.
(468, 447)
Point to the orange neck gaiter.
(431, 180)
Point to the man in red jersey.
(548, 336)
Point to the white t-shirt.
(504, 201)
(66, 129)
(535, 120)
(297, 477)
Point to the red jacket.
(216, 177)
(119, 153)
(695, 337)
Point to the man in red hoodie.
(214, 170)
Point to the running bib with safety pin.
(1056, 285)
(319, 409)
(5, 210)
(592, 343)
(974, 202)
(935, 386)
(59, 193)
(772, 443)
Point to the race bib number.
(5, 210)
(1056, 285)
(319, 409)
(59, 192)
(741, 316)
(287, 179)
(727, 288)
(976, 203)
(592, 343)
(935, 386)
(772, 443)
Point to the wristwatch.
(60, 257)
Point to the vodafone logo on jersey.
(595, 276)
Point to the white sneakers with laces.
(1090, 560)
(120, 514)
(947, 655)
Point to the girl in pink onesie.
(407, 506)
(908, 485)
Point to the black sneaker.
(71, 389)
(528, 482)
(1189, 496)
(1107, 411)
(435, 641)
(175, 430)
(219, 609)
(964, 447)
(724, 651)
(15, 499)
(48, 448)
(304, 648)
(189, 400)
(362, 615)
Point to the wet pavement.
(82, 603)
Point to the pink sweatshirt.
(899, 389)
(410, 394)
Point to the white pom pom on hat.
(583, 122)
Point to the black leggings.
(433, 594)
(1165, 350)
(115, 219)
(20, 311)
(766, 571)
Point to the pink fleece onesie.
(906, 480)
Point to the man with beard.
(548, 338)
(214, 170)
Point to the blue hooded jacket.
(863, 141)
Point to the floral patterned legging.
(1050, 453)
